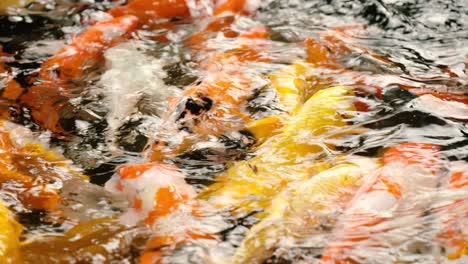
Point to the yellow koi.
(301, 208)
(290, 85)
(291, 155)
(5, 4)
(10, 231)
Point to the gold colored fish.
(301, 209)
(10, 231)
(292, 155)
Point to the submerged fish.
(453, 215)
(29, 172)
(161, 199)
(153, 11)
(10, 230)
(59, 74)
(11, 89)
(6, 4)
(409, 170)
(305, 208)
(214, 106)
(98, 240)
(294, 154)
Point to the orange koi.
(28, 170)
(86, 49)
(453, 235)
(378, 200)
(161, 198)
(414, 87)
(59, 73)
(213, 107)
(455, 97)
(34, 193)
(152, 10)
(12, 90)
(231, 6)
(336, 42)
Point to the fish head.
(153, 190)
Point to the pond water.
(237, 132)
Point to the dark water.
(417, 44)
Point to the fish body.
(58, 74)
(11, 89)
(303, 208)
(153, 11)
(214, 106)
(409, 170)
(146, 184)
(29, 171)
(6, 4)
(160, 198)
(453, 216)
(290, 85)
(104, 237)
(10, 230)
(291, 155)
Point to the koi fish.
(449, 109)
(160, 198)
(291, 85)
(453, 235)
(454, 97)
(242, 7)
(18, 161)
(10, 230)
(412, 86)
(301, 210)
(59, 74)
(291, 155)
(144, 183)
(201, 114)
(213, 106)
(150, 11)
(5, 4)
(103, 237)
(409, 170)
(11, 89)
(291, 82)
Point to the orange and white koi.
(453, 216)
(60, 73)
(161, 198)
(153, 11)
(212, 107)
(409, 170)
(440, 107)
(28, 170)
(153, 190)
(300, 210)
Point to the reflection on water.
(289, 132)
